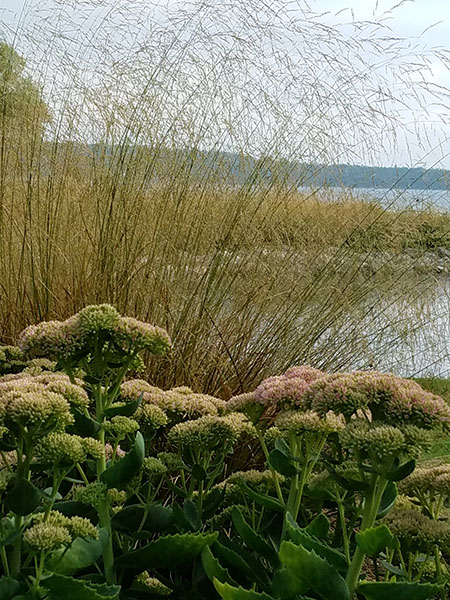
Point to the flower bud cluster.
(59, 448)
(431, 479)
(37, 366)
(119, 427)
(65, 338)
(246, 404)
(151, 417)
(377, 396)
(76, 526)
(8, 353)
(97, 495)
(171, 460)
(151, 585)
(31, 404)
(298, 422)
(178, 403)
(132, 334)
(381, 442)
(154, 466)
(210, 431)
(287, 390)
(45, 537)
(255, 478)
(415, 530)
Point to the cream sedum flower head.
(209, 431)
(45, 537)
(299, 422)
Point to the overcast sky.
(409, 20)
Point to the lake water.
(392, 198)
(410, 336)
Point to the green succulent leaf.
(23, 498)
(129, 519)
(282, 446)
(60, 586)
(380, 590)
(213, 568)
(83, 425)
(167, 552)
(190, 511)
(282, 463)
(262, 499)
(319, 526)
(228, 592)
(316, 571)
(286, 584)
(253, 571)
(126, 409)
(253, 539)
(123, 470)
(81, 554)
(388, 499)
(375, 539)
(199, 473)
(8, 587)
(302, 538)
(393, 569)
(401, 472)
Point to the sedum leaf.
(81, 554)
(381, 590)
(167, 552)
(213, 568)
(375, 539)
(316, 571)
(228, 592)
(61, 587)
(124, 469)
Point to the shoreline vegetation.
(118, 184)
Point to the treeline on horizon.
(240, 168)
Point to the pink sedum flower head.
(287, 390)
(377, 396)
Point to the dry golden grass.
(107, 193)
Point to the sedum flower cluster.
(28, 403)
(96, 494)
(210, 431)
(50, 532)
(64, 449)
(281, 392)
(64, 339)
(287, 390)
(429, 486)
(381, 442)
(159, 407)
(416, 531)
(298, 422)
(377, 397)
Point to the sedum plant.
(365, 430)
(113, 488)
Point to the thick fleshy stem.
(371, 507)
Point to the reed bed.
(114, 185)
